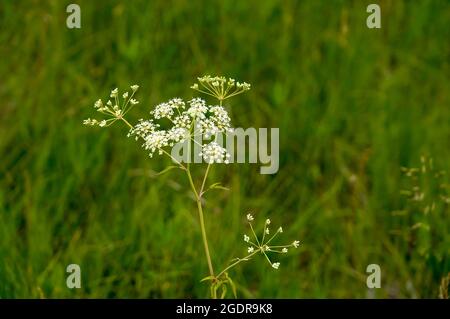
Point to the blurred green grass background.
(353, 106)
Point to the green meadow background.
(353, 105)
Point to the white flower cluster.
(143, 128)
(114, 109)
(214, 153)
(264, 245)
(197, 109)
(188, 120)
(220, 87)
(155, 139)
(218, 122)
(166, 109)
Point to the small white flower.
(250, 217)
(114, 92)
(267, 231)
(284, 250)
(267, 221)
(134, 101)
(246, 238)
(102, 123)
(182, 120)
(244, 86)
(135, 87)
(98, 104)
(125, 95)
(166, 109)
(280, 230)
(90, 121)
(142, 129)
(296, 243)
(250, 250)
(276, 265)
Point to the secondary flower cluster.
(263, 244)
(115, 109)
(187, 120)
(220, 87)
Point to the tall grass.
(353, 106)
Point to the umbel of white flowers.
(114, 108)
(186, 121)
(220, 87)
(264, 244)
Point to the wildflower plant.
(179, 121)
(263, 244)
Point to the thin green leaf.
(216, 186)
(224, 292)
(232, 285)
(169, 168)
(207, 278)
(216, 287)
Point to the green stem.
(254, 234)
(199, 206)
(202, 222)
(126, 122)
(237, 262)
(204, 180)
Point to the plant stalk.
(202, 222)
